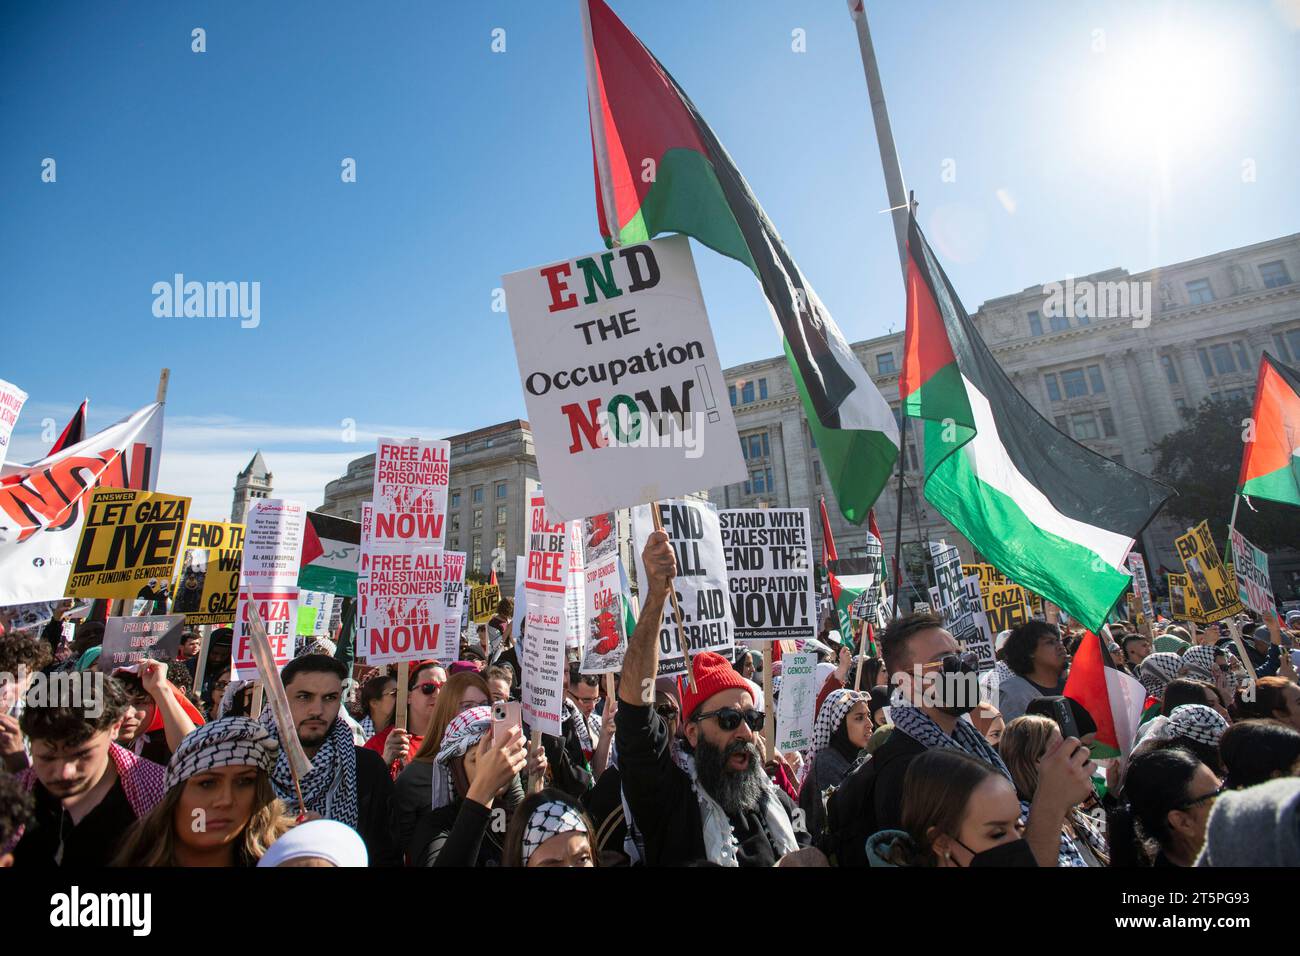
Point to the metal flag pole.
(899, 210)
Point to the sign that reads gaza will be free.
(622, 379)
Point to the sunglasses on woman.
(1201, 799)
(729, 718)
(428, 688)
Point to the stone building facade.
(253, 482)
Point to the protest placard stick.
(201, 668)
(299, 765)
(403, 679)
(535, 779)
(769, 726)
(1235, 630)
(609, 689)
(862, 656)
(163, 378)
(677, 611)
(255, 709)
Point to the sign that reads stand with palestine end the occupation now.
(622, 379)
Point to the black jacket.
(375, 808)
(869, 800)
(664, 804)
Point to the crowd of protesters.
(150, 770)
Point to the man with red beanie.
(715, 803)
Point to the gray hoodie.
(1258, 826)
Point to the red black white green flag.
(659, 168)
(1269, 466)
(1050, 514)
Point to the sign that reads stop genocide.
(621, 378)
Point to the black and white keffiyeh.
(1157, 670)
(835, 708)
(588, 730)
(548, 820)
(914, 722)
(464, 730)
(330, 789)
(1197, 722)
(1198, 662)
(229, 742)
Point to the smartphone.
(505, 715)
(1064, 717)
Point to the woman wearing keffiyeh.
(840, 734)
(550, 828)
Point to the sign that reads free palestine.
(621, 378)
(770, 572)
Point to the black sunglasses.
(429, 688)
(963, 663)
(729, 718)
(667, 711)
(1201, 799)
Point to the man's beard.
(312, 738)
(735, 790)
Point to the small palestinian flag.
(659, 168)
(1269, 468)
(1050, 514)
(331, 554)
(1111, 697)
(1150, 710)
(849, 579)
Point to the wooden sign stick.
(677, 611)
(403, 680)
(769, 725)
(535, 779)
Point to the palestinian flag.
(828, 537)
(1111, 697)
(74, 433)
(1269, 469)
(1047, 512)
(659, 168)
(331, 554)
(849, 579)
(1150, 710)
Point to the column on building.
(1193, 376)
(1154, 386)
(1126, 411)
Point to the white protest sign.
(575, 602)
(410, 491)
(1142, 585)
(796, 704)
(11, 403)
(621, 378)
(454, 597)
(543, 659)
(268, 575)
(521, 602)
(701, 582)
(974, 634)
(770, 573)
(406, 610)
(1251, 568)
(607, 615)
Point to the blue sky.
(1083, 136)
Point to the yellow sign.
(483, 601)
(128, 545)
(1006, 603)
(207, 576)
(1215, 589)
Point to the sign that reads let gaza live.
(621, 378)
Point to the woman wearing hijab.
(840, 734)
(220, 775)
(1197, 729)
(469, 775)
(1157, 670)
(321, 843)
(550, 829)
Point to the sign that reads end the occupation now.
(621, 378)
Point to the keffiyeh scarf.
(232, 742)
(588, 735)
(548, 820)
(720, 844)
(465, 730)
(916, 724)
(835, 708)
(1198, 662)
(1158, 670)
(1197, 722)
(330, 789)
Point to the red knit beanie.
(713, 673)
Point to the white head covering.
(327, 839)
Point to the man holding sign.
(722, 807)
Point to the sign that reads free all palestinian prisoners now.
(129, 539)
(621, 378)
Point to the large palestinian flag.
(1111, 697)
(1047, 512)
(659, 168)
(1269, 467)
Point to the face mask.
(1012, 853)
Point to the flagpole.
(900, 210)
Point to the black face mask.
(1012, 853)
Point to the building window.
(1234, 394)
(755, 446)
(455, 522)
(453, 544)
(477, 495)
(501, 514)
(747, 393)
(1107, 422)
(1180, 404)
(501, 540)
(762, 388)
(1035, 323)
(1199, 292)
(1288, 345)
(1085, 426)
(476, 553)
(478, 517)
(817, 472)
(1206, 367)
(1062, 425)
(1171, 373)
(1081, 311)
(1059, 323)
(455, 499)
(1274, 274)
(502, 489)
(1221, 355)
(885, 363)
(731, 390)
(1053, 389)
(1076, 386)
(1095, 379)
